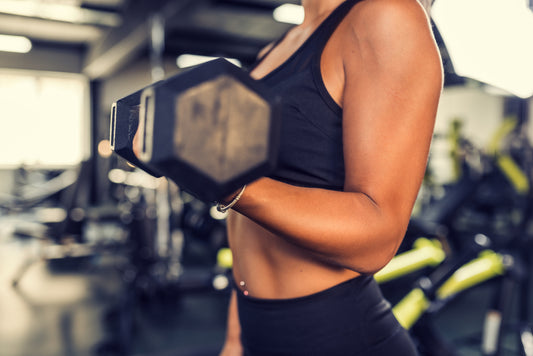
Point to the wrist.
(227, 204)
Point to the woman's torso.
(269, 266)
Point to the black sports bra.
(311, 147)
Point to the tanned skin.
(382, 66)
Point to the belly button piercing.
(243, 286)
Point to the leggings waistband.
(354, 284)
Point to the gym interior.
(98, 257)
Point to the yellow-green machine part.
(516, 176)
(487, 265)
(426, 253)
(225, 258)
(411, 307)
(514, 173)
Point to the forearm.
(345, 228)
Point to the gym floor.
(68, 310)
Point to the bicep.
(393, 80)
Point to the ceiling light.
(17, 44)
(289, 13)
(189, 60)
(58, 12)
(489, 41)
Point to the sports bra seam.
(320, 129)
(321, 87)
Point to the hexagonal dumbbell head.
(211, 129)
(221, 127)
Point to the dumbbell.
(123, 127)
(211, 129)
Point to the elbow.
(379, 261)
(378, 254)
(374, 264)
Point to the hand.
(136, 144)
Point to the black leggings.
(349, 319)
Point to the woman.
(360, 82)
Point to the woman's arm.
(392, 81)
(232, 345)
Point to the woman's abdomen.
(267, 266)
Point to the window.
(43, 119)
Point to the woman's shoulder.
(389, 17)
(388, 7)
(394, 36)
(387, 27)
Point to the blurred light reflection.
(490, 41)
